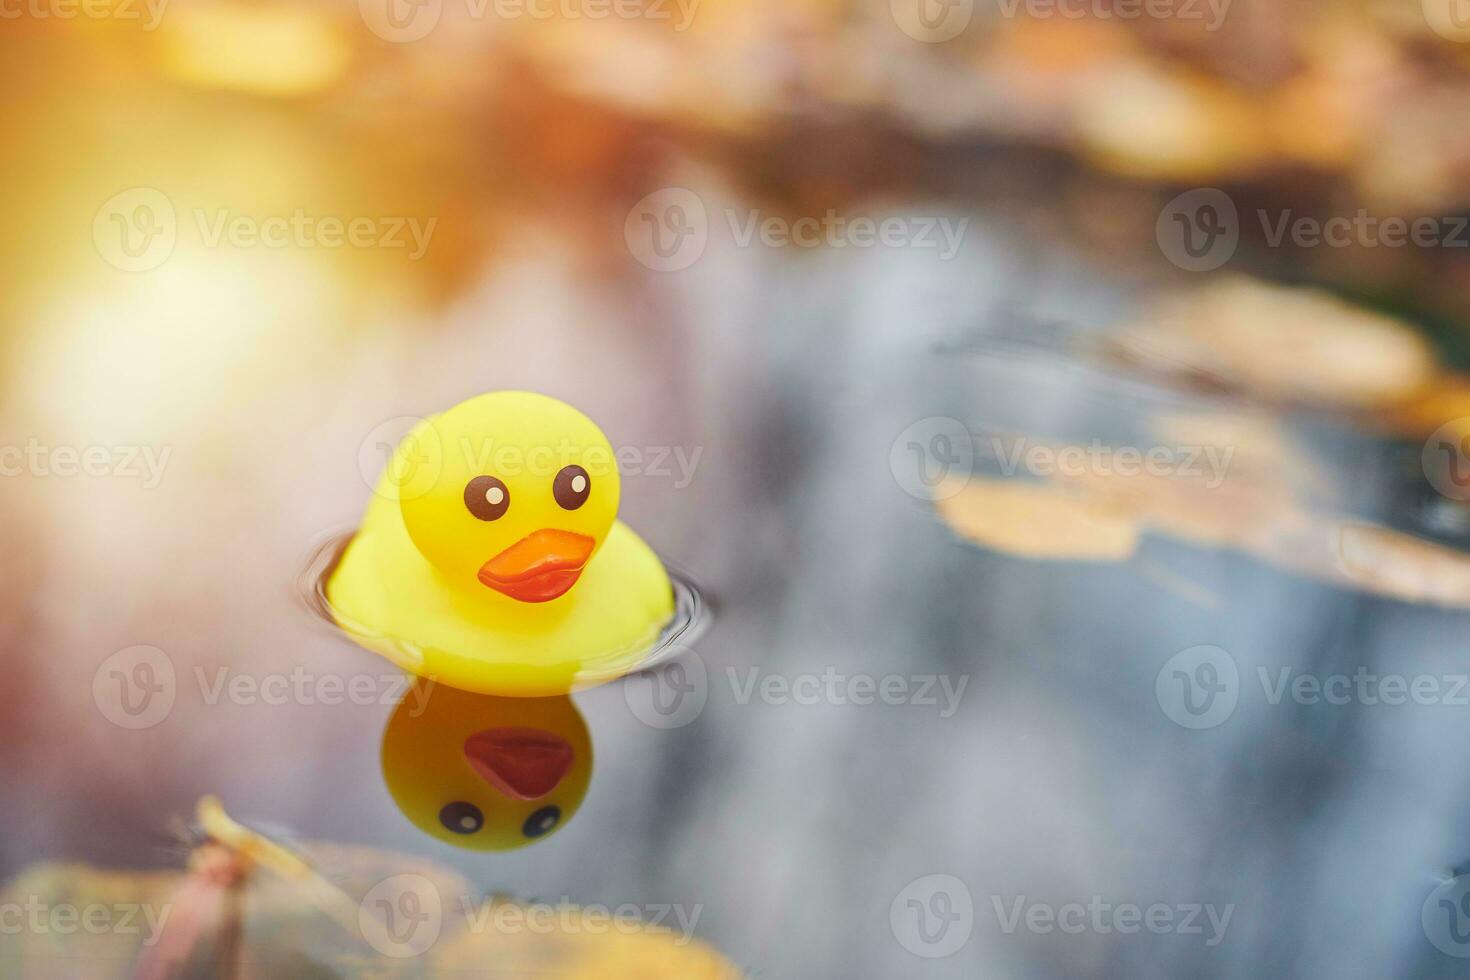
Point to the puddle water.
(693, 611)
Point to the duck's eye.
(571, 486)
(461, 818)
(543, 821)
(486, 497)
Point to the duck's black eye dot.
(543, 821)
(571, 487)
(461, 818)
(486, 497)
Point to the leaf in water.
(1401, 566)
(250, 908)
(1038, 521)
(1279, 344)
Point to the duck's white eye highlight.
(579, 483)
(494, 496)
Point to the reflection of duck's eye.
(542, 821)
(462, 818)
(571, 486)
(486, 497)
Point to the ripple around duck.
(693, 613)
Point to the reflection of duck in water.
(486, 773)
(491, 558)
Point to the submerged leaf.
(1038, 521)
(1279, 344)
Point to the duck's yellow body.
(490, 558)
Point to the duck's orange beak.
(522, 763)
(539, 567)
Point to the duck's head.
(509, 491)
(486, 773)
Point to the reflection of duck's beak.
(540, 566)
(523, 763)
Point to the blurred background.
(1093, 367)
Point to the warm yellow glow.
(162, 351)
(271, 49)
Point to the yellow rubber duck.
(491, 558)
(486, 773)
